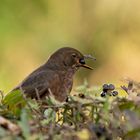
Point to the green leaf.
(24, 124)
(13, 98)
(14, 101)
(50, 116)
(126, 105)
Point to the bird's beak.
(88, 56)
(86, 66)
(83, 64)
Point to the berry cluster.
(109, 89)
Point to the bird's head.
(69, 58)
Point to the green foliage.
(24, 125)
(13, 103)
(13, 98)
(50, 116)
(84, 115)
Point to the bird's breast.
(66, 84)
(68, 80)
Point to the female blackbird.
(55, 76)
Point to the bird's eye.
(73, 55)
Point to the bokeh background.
(30, 30)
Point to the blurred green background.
(30, 30)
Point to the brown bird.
(55, 76)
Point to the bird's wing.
(39, 83)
